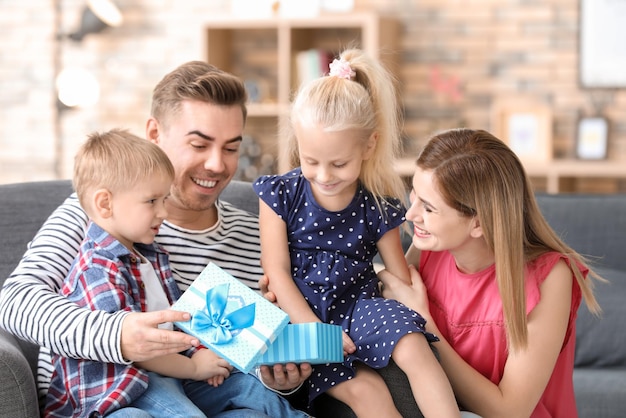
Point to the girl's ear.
(370, 146)
(103, 203)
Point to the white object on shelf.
(299, 8)
(337, 6)
(252, 9)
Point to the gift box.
(313, 342)
(230, 318)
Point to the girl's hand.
(210, 367)
(414, 296)
(348, 346)
(264, 285)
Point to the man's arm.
(32, 309)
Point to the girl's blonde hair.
(116, 160)
(479, 175)
(366, 102)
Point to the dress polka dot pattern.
(331, 258)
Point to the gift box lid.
(313, 342)
(230, 318)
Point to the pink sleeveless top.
(468, 311)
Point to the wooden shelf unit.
(556, 174)
(263, 51)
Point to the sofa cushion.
(600, 393)
(600, 341)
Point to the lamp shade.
(97, 15)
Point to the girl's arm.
(276, 264)
(391, 252)
(526, 372)
(412, 256)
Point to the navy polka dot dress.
(331, 260)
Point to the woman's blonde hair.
(117, 160)
(366, 102)
(479, 175)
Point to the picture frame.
(601, 50)
(592, 137)
(526, 127)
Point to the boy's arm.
(276, 264)
(202, 365)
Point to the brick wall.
(458, 58)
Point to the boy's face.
(137, 213)
(202, 141)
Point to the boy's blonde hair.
(366, 102)
(116, 160)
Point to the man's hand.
(285, 377)
(142, 340)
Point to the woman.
(495, 282)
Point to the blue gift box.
(313, 342)
(230, 318)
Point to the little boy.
(122, 183)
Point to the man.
(197, 117)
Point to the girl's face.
(331, 162)
(436, 226)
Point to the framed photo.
(526, 127)
(592, 138)
(602, 51)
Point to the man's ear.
(103, 203)
(152, 130)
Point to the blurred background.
(71, 67)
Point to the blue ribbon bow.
(220, 326)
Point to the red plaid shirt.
(105, 276)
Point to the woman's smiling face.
(436, 225)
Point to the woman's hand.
(414, 296)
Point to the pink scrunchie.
(341, 68)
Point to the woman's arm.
(526, 372)
(276, 264)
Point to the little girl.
(322, 224)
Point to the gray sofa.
(592, 224)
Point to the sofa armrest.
(18, 392)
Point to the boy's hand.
(210, 367)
